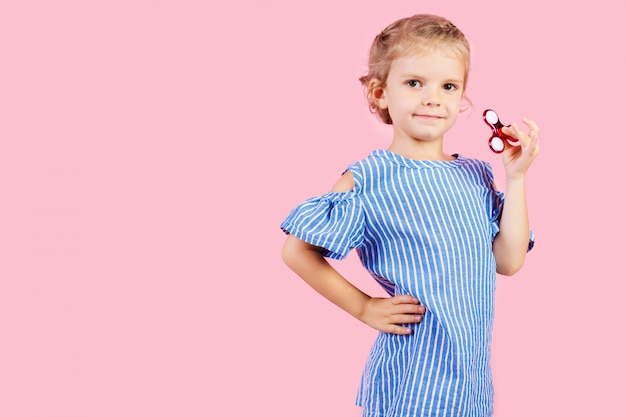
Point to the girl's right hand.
(386, 314)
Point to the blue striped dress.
(423, 228)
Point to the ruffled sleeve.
(333, 221)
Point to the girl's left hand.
(518, 157)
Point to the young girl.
(431, 228)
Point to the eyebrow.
(412, 76)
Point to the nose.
(431, 97)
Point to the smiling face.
(423, 95)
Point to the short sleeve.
(333, 221)
(497, 202)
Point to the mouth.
(428, 116)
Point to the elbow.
(509, 268)
(508, 271)
(287, 253)
(293, 251)
(296, 253)
(509, 257)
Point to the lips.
(428, 116)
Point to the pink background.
(150, 149)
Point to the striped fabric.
(423, 228)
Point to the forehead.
(421, 47)
(430, 62)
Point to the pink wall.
(150, 149)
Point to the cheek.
(454, 109)
(455, 104)
(399, 103)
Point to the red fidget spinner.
(498, 140)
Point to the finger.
(404, 299)
(513, 132)
(534, 129)
(514, 143)
(409, 309)
(533, 147)
(518, 133)
(407, 318)
(401, 330)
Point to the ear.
(466, 103)
(377, 93)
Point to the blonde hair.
(416, 34)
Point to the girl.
(431, 228)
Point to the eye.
(413, 83)
(450, 87)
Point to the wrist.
(515, 179)
(363, 309)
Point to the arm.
(384, 314)
(511, 243)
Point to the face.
(423, 95)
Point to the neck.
(420, 150)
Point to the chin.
(427, 137)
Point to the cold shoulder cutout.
(345, 183)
